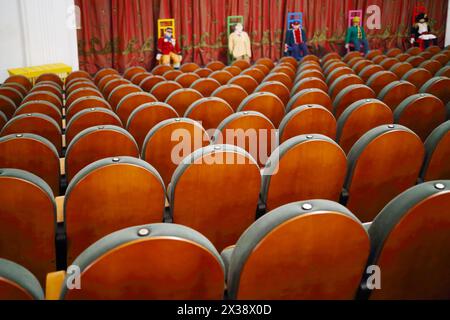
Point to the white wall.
(36, 32)
(447, 33)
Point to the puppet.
(357, 36)
(296, 41)
(169, 50)
(421, 31)
(239, 44)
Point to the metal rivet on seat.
(177, 120)
(368, 100)
(439, 186)
(144, 232)
(92, 109)
(309, 106)
(101, 128)
(245, 113)
(309, 137)
(217, 148)
(422, 94)
(19, 135)
(29, 114)
(391, 126)
(307, 206)
(116, 160)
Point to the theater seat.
(7, 106)
(350, 95)
(359, 118)
(222, 76)
(410, 242)
(148, 83)
(3, 120)
(197, 197)
(307, 119)
(383, 163)
(13, 94)
(266, 103)
(182, 99)
(438, 86)
(90, 118)
(187, 79)
(205, 86)
(35, 123)
(417, 76)
(309, 83)
(120, 92)
(343, 82)
(150, 262)
(84, 103)
(210, 112)
(437, 148)
(253, 72)
(203, 72)
(34, 154)
(81, 93)
(17, 283)
(249, 130)
(146, 117)
(395, 92)
(44, 107)
(27, 222)
(380, 80)
(98, 143)
(50, 77)
(277, 88)
(43, 87)
(314, 250)
(421, 113)
(302, 168)
(131, 102)
(134, 194)
(246, 82)
(232, 94)
(170, 141)
(162, 90)
(280, 76)
(20, 79)
(44, 96)
(310, 96)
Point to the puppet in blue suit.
(296, 42)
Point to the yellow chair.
(32, 73)
(163, 24)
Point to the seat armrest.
(62, 166)
(59, 209)
(54, 284)
(226, 255)
(367, 225)
(344, 197)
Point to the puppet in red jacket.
(169, 50)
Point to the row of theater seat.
(88, 108)
(199, 188)
(305, 250)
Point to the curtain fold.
(123, 33)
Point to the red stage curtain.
(122, 33)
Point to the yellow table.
(33, 73)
